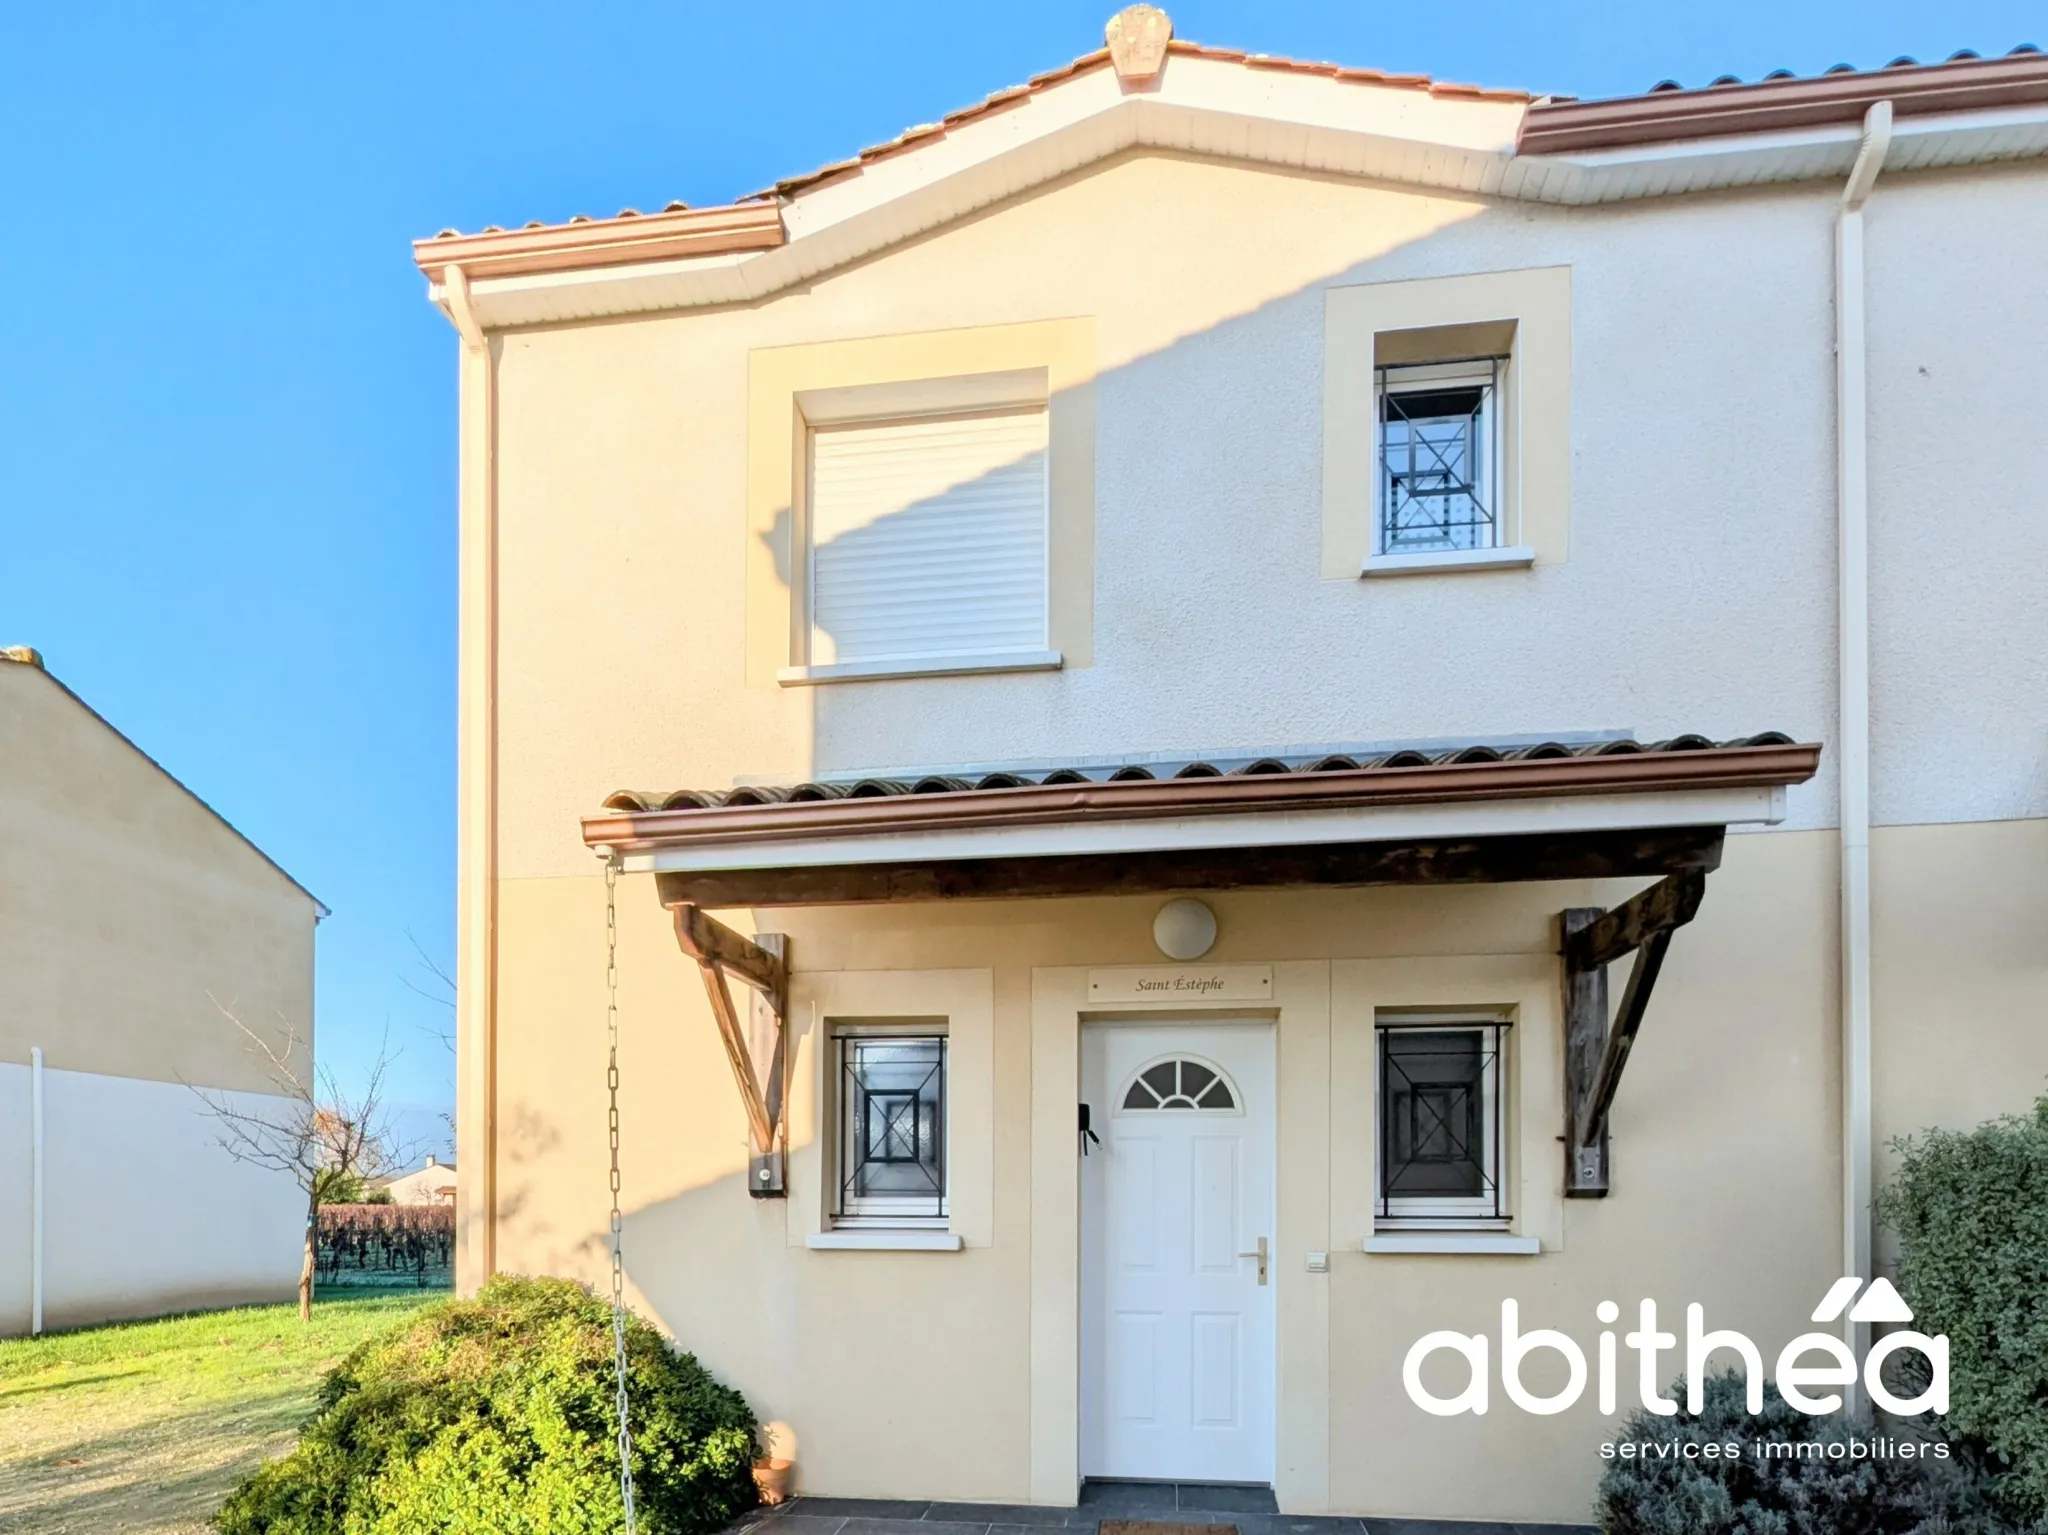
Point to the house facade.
(1229, 711)
(134, 921)
(431, 1184)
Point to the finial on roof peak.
(1137, 36)
(26, 655)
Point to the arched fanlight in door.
(1180, 1083)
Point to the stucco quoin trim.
(631, 237)
(1777, 106)
(1743, 766)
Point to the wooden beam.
(766, 1165)
(723, 1013)
(1461, 861)
(1585, 1042)
(708, 941)
(1671, 902)
(1635, 997)
(770, 1024)
(763, 964)
(1595, 1052)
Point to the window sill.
(1496, 1242)
(1519, 557)
(921, 666)
(903, 1241)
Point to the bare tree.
(326, 1139)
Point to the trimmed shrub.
(1814, 1487)
(496, 1416)
(1971, 1212)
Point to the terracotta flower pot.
(771, 1479)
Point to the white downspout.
(35, 1219)
(1852, 747)
(476, 808)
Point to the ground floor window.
(891, 1104)
(1442, 1103)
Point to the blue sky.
(227, 413)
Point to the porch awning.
(1470, 814)
(1466, 814)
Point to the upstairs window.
(927, 541)
(1439, 453)
(1441, 1103)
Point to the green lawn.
(144, 1426)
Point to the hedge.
(1817, 1488)
(496, 1416)
(1971, 1212)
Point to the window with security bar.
(1439, 457)
(1442, 1124)
(892, 1129)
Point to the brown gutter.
(1721, 767)
(631, 237)
(1773, 106)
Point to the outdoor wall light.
(1184, 929)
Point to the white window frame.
(1017, 393)
(881, 1212)
(1491, 374)
(1473, 1213)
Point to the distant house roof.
(27, 657)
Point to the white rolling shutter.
(928, 538)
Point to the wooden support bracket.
(1595, 1052)
(761, 962)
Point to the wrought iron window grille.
(1442, 1124)
(892, 1118)
(1439, 456)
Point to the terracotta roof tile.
(1783, 101)
(795, 186)
(1668, 110)
(1132, 792)
(637, 801)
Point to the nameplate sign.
(1182, 983)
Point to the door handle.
(1261, 1254)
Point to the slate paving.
(1251, 1509)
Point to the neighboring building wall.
(1697, 593)
(143, 1212)
(132, 919)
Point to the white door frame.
(1092, 1280)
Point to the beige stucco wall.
(1960, 974)
(1725, 1185)
(1694, 593)
(624, 541)
(130, 914)
(1726, 1181)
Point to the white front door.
(1176, 1202)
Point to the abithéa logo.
(1798, 1374)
